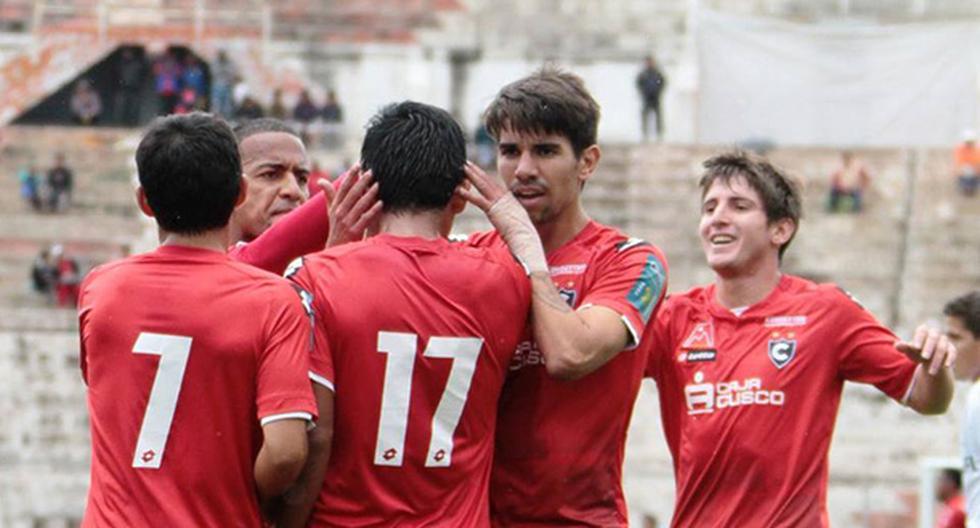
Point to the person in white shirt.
(963, 330)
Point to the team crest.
(782, 351)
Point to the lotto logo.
(704, 398)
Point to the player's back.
(177, 351)
(421, 334)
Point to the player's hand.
(481, 189)
(353, 207)
(929, 346)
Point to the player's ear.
(143, 203)
(242, 191)
(456, 204)
(781, 231)
(588, 161)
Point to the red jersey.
(416, 335)
(185, 353)
(559, 447)
(953, 513)
(748, 402)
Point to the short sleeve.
(283, 386)
(867, 352)
(321, 362)
(631, 281)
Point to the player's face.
(735, 234)
(967, 365)
(543, 173)
(277, 169)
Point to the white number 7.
(173, 351)
(400, 348)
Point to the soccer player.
(193, 408)
(416, 333)
(276, 224)
(750, 369)
(963, 330)
(559, 446)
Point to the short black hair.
(190, 171)
(967, 308)
(549, 101)
(954, 476)
(781, 195)
(416, 153)
(261, 125)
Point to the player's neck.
(427, 224)
(736, 290)
(562, 229)
(214, 240)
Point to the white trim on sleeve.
(320, 380)
(286, 416)
(908, 392)
(634, 335)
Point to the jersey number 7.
(173, 351)
(396, 395)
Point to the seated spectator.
(332, 112)
(166, 82)
(60, 183)
(224, 75)
(68, 278)
(949, 491)
(305, 110)
(848, 182)
(966, 164)
(192, 84)
(44, 274)
(86, 105)
(30, 187)
(249, 109)
(278, 109)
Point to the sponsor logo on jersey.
(647, 288)
(701, 338)
(782, 350)
(526, 354)
(568, 269)
(785, 320)
(698, 356)
(706, 397)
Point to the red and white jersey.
(559, 447)
(185, 353)
(416, 335)
(749, 402)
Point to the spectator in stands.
(223, 78)
(966, 163)
(305, 110)
(60, 182)
(166, 72)
(249, 109)
(963, 331)
(44, 274)
(650, 83)
(192, 87)
(130, 73)
(68, 279)
(333, 115)
(277, 109)
(849, 181)
(949, 491)
(30, 186)
(86, 104)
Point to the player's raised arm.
(574, 342)
(932, 386)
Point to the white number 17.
(396, 395)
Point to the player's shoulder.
(611, 245)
